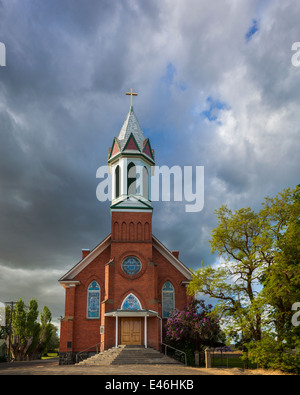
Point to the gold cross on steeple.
(131, 94)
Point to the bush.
(271, 354)
(193, 328)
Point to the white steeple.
(131, 159)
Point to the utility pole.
(10, 329)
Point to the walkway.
(51, 367)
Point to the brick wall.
(129, 237)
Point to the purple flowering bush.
(194, 328)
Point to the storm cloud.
(216, 89)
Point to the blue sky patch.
(214, 108)
(253, 29)
(169, 78)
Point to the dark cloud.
(62, 101)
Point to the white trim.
(117, 333)
(131, 313)
(131, 210)
(136, 155)
(69, 284)
(67, 279)
(171, 258)
(185, 283)
(128, 297)
(85, 261)
(145, 331)
(131, 202)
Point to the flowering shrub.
(195, 325)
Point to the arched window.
(131, 302)
(168, 299)
(117, 181)
(93, 300)
(145, 183)
(131, 179)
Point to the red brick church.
(123, 290)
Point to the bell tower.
(131, 162)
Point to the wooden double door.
(131, 331)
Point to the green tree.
(258, 278)
(234, 282)
(47, 330)
(281, 280)
(29, 338)
(24, 328)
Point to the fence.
(182, 353)
(225, 359)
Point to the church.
(123, 291)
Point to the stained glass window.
(131, 303)
(168, 299)
(93, 300)
(131, 265)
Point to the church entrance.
(131, 331)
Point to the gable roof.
(72, 273)
(162, 249)
(147, 149)
(115, 147)
(131, 144)
(132, 202)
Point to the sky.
(216, 88)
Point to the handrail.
(182, 352)
(83, 351)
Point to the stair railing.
(182, 352)
(80, 356)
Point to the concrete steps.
(128, 355)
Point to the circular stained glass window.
(131, 265)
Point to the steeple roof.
(131, 140)
(131, 126)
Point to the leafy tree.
(46, 329)
(281, 279)
(24, 328)
(29, 338)
(258, 278)
(234, 282)
(53, 343)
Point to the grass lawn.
(50, 355)
(231, 363)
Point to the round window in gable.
(131, 265)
